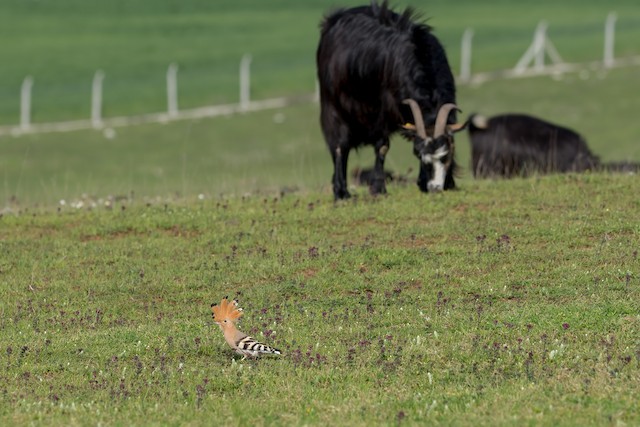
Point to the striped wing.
(248, 346)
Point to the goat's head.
(435, 150)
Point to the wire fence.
(541, 58)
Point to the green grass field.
(502, 303)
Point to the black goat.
(517, 145)
(377, 71)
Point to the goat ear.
(408, 131)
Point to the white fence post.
(465, 55)
(538, 45)
(245, 82)
(25, 103)
(531, 52)
(96, 100)
(609, 39)
(536, 51)
(172, 90)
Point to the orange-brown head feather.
(226, 310)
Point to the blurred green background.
(61, 44)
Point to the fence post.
(172, 90)
(316, 92)
(96, 100)
(538, 42)
(465, 55)
(609, 39)
(536, 51)
(245, 82)
(25, 103)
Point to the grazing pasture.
(283, 149)
(505, 302)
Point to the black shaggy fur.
(517, 145)
(369, 60)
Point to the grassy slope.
(506, 302)
(62, 43)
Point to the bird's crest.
(226, 310)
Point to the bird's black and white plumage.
(248, 346)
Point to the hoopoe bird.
(225, 315)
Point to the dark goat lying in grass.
(377, 71)
(517, 145)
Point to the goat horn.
(417, 117)
(456, 127)
(442, 117)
